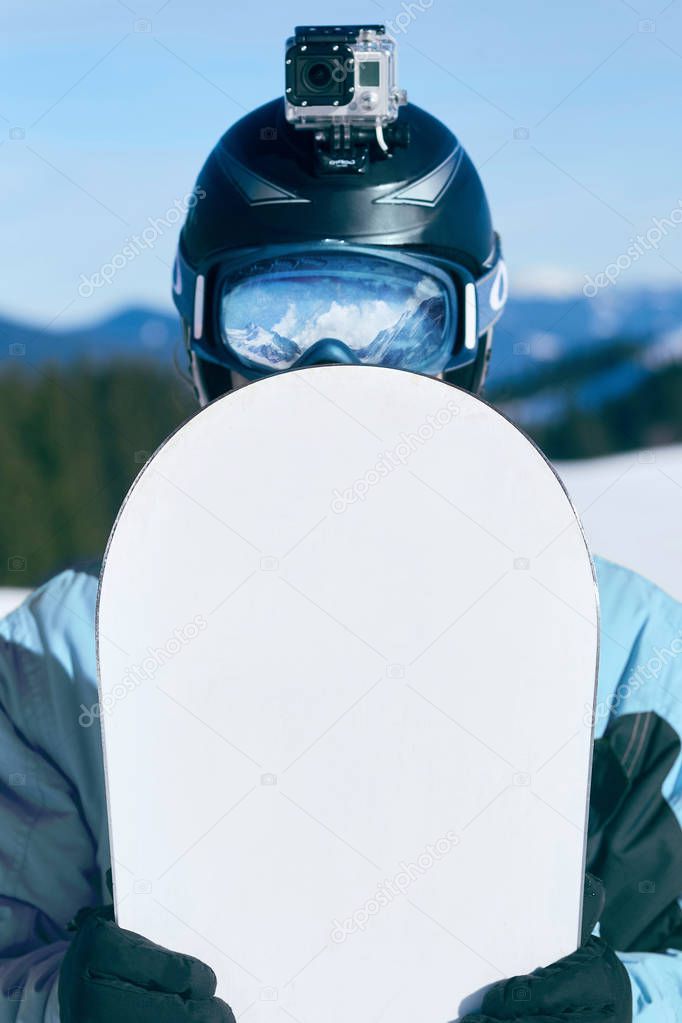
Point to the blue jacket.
(54, 850)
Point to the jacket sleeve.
(53, 847)
(656, 985)
(639, 699)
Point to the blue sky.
(108, 108)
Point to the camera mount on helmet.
(341, 83)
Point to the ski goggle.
(286, 306)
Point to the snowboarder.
(332, 245)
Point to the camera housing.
(342, 77)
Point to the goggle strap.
(184, 288)
(491, 295)
(198, 319)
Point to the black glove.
(591, 984)
(114, 976)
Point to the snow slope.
(10, 597)
(631, 508)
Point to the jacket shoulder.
(48, 643)
(629, 602)
(640, 665)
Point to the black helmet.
(418, 223)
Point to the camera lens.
(318, 76)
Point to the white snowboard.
(347, 640)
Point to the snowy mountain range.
(264, 346)
(539, 328)
(414, 332)
(549, 354)
(421, 329)
(537, 331)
